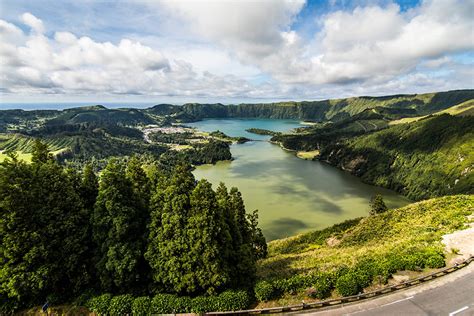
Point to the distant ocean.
(68, 105)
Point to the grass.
(21, 155)
(418, 226)
(463, 109)
(27, 156)
(307, 155)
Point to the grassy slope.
(416, 226)
(463, 109)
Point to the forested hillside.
(400, 105)
(428, 158)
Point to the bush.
(183, 304)
(264, 291)
(201, 304)
(100, 304)
(121, 304)
(348, 284)
(164, 304)
(435, 261)
(292, 285)
(323, 285)
(141, 306)
(232, 301)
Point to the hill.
(427, 158)
(368, 250)
(336, 109)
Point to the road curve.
(451, 295)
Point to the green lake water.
(291, 194)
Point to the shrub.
(141, 306)
(348, 284)
(121, 304)
(377, 205)
(232, 301)
(100, 304)
(435, 260)
(413, 261)
(201, 304)
(292, 285)
(322, 286)
(183, 304)
(164, 304)
(264, 291)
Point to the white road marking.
(403, 299)
(366, 310)
(459, 310)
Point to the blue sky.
(231, 51)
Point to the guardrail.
(350, 299)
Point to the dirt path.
(461, 241)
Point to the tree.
(117, 230)
(206, 230)
(377, 205)
(259, 244)
(246, 264)
(89, 187)
(168, 252)
(40, 230)
(40, 152)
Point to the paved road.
(449, 295)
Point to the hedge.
(168, 303)
(349, 281)
(141, 306)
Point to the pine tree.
(246, 265)
(259, 244)
(117, 228)
(89, 187)
(206, 230)
(377, 205)
(168, 251)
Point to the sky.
(231, 51)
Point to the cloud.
(239, 50)
(375, 43)
(252, 29)
(33, 22)
(67, 64)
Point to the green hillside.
(100, 114)
(428, 158)
(368, 250)
(401, 106)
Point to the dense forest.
(137, 229)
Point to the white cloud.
(247, 49)
(68, 64)
(251, 29)
(33, 22)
